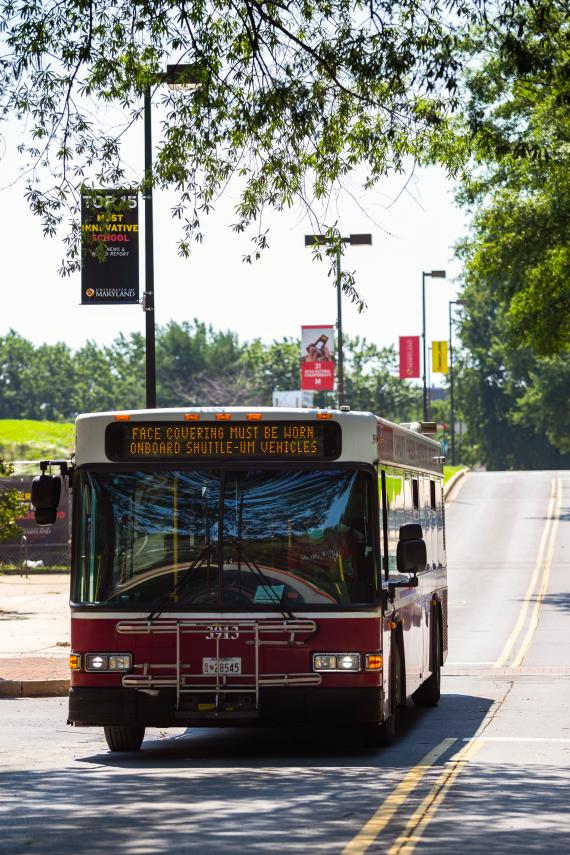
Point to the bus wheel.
(122, 738)
(382, 735)
(429, 692)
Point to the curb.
(453, 481)
(34, 688)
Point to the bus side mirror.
(46, 491)
(411, 553)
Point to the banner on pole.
(317, 358)
(409, 357)
(439, 357)
(109, 247)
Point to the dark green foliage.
(518, 120)
(515, 403)
(514, 375)
(10, 507)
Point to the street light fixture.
(434, 274)
(451, 379)
(179, 78)
(354, 240)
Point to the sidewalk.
(34, 635)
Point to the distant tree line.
(196, 365)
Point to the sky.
(414, 225)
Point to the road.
(486, 771)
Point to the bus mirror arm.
(411, 582)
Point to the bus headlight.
(108, 661)
(336, 661)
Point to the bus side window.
(416, 496)
(396, 511)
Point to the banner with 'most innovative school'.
(110, 247)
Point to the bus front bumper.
(90, 706)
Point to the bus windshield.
(224, 538)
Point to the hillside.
(26, 439)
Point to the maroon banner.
(409, 356)
(317, 358)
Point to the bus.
(240, 566)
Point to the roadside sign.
(110, 247)
(439, 357)
(317, 358)
(409, 356)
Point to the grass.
(25, 439)
(449, 472)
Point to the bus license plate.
(223, 665)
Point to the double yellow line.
(543, 564)
(425, 812)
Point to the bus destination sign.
(271, 440)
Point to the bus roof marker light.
(122, 417)
(191, 417)
(254, 417)
(324, 415)
(223, 417)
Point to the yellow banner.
(439, 357)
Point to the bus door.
(399, 503)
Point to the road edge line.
(523, 650)
(510, 642)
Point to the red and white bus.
(238, 566)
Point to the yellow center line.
(369, 832)
(547, 564)
(420, 819)
(530, 590)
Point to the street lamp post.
(354, 240)
(451, 379)
(177, 77)
(148, 298)
(435, 274)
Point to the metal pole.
(340, 384)
(148, 303)
(424, 344)
(429, 361)
(452, 408)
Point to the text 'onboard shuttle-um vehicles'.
(236, 566)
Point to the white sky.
(270, 299)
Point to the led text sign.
(138, 441)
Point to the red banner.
(317, 358)
(409, 356)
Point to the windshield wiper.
(182, 582)
(252, 566)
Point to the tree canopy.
(289, 98)
(518, 118)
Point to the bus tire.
(429, 692)
(383, 734)
(123, 738)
